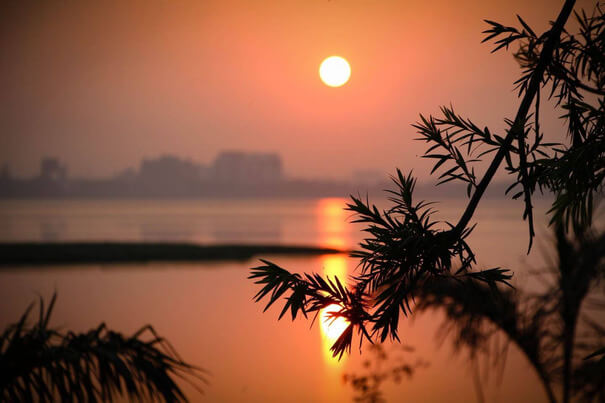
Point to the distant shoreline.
(53, 253)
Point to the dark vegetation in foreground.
(40, 363)
(111, 252)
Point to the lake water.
(206, 309)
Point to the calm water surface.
(206, 310)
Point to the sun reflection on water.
(331, 328)
(332, 225)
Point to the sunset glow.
(335, 71)
(256, 180)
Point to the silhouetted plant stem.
(517, 130)
(548, 389)
(541, 371)
(570, 307)
(568, 343)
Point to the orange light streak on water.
(331, 328)
(332, 226)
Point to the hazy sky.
(102, 84)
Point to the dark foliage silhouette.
(405, 247)
(39, 363)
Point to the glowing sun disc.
(335, 71)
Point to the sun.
(335, 71)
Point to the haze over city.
(102, 84)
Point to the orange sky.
(103, 85)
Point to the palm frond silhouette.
(40, 363)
